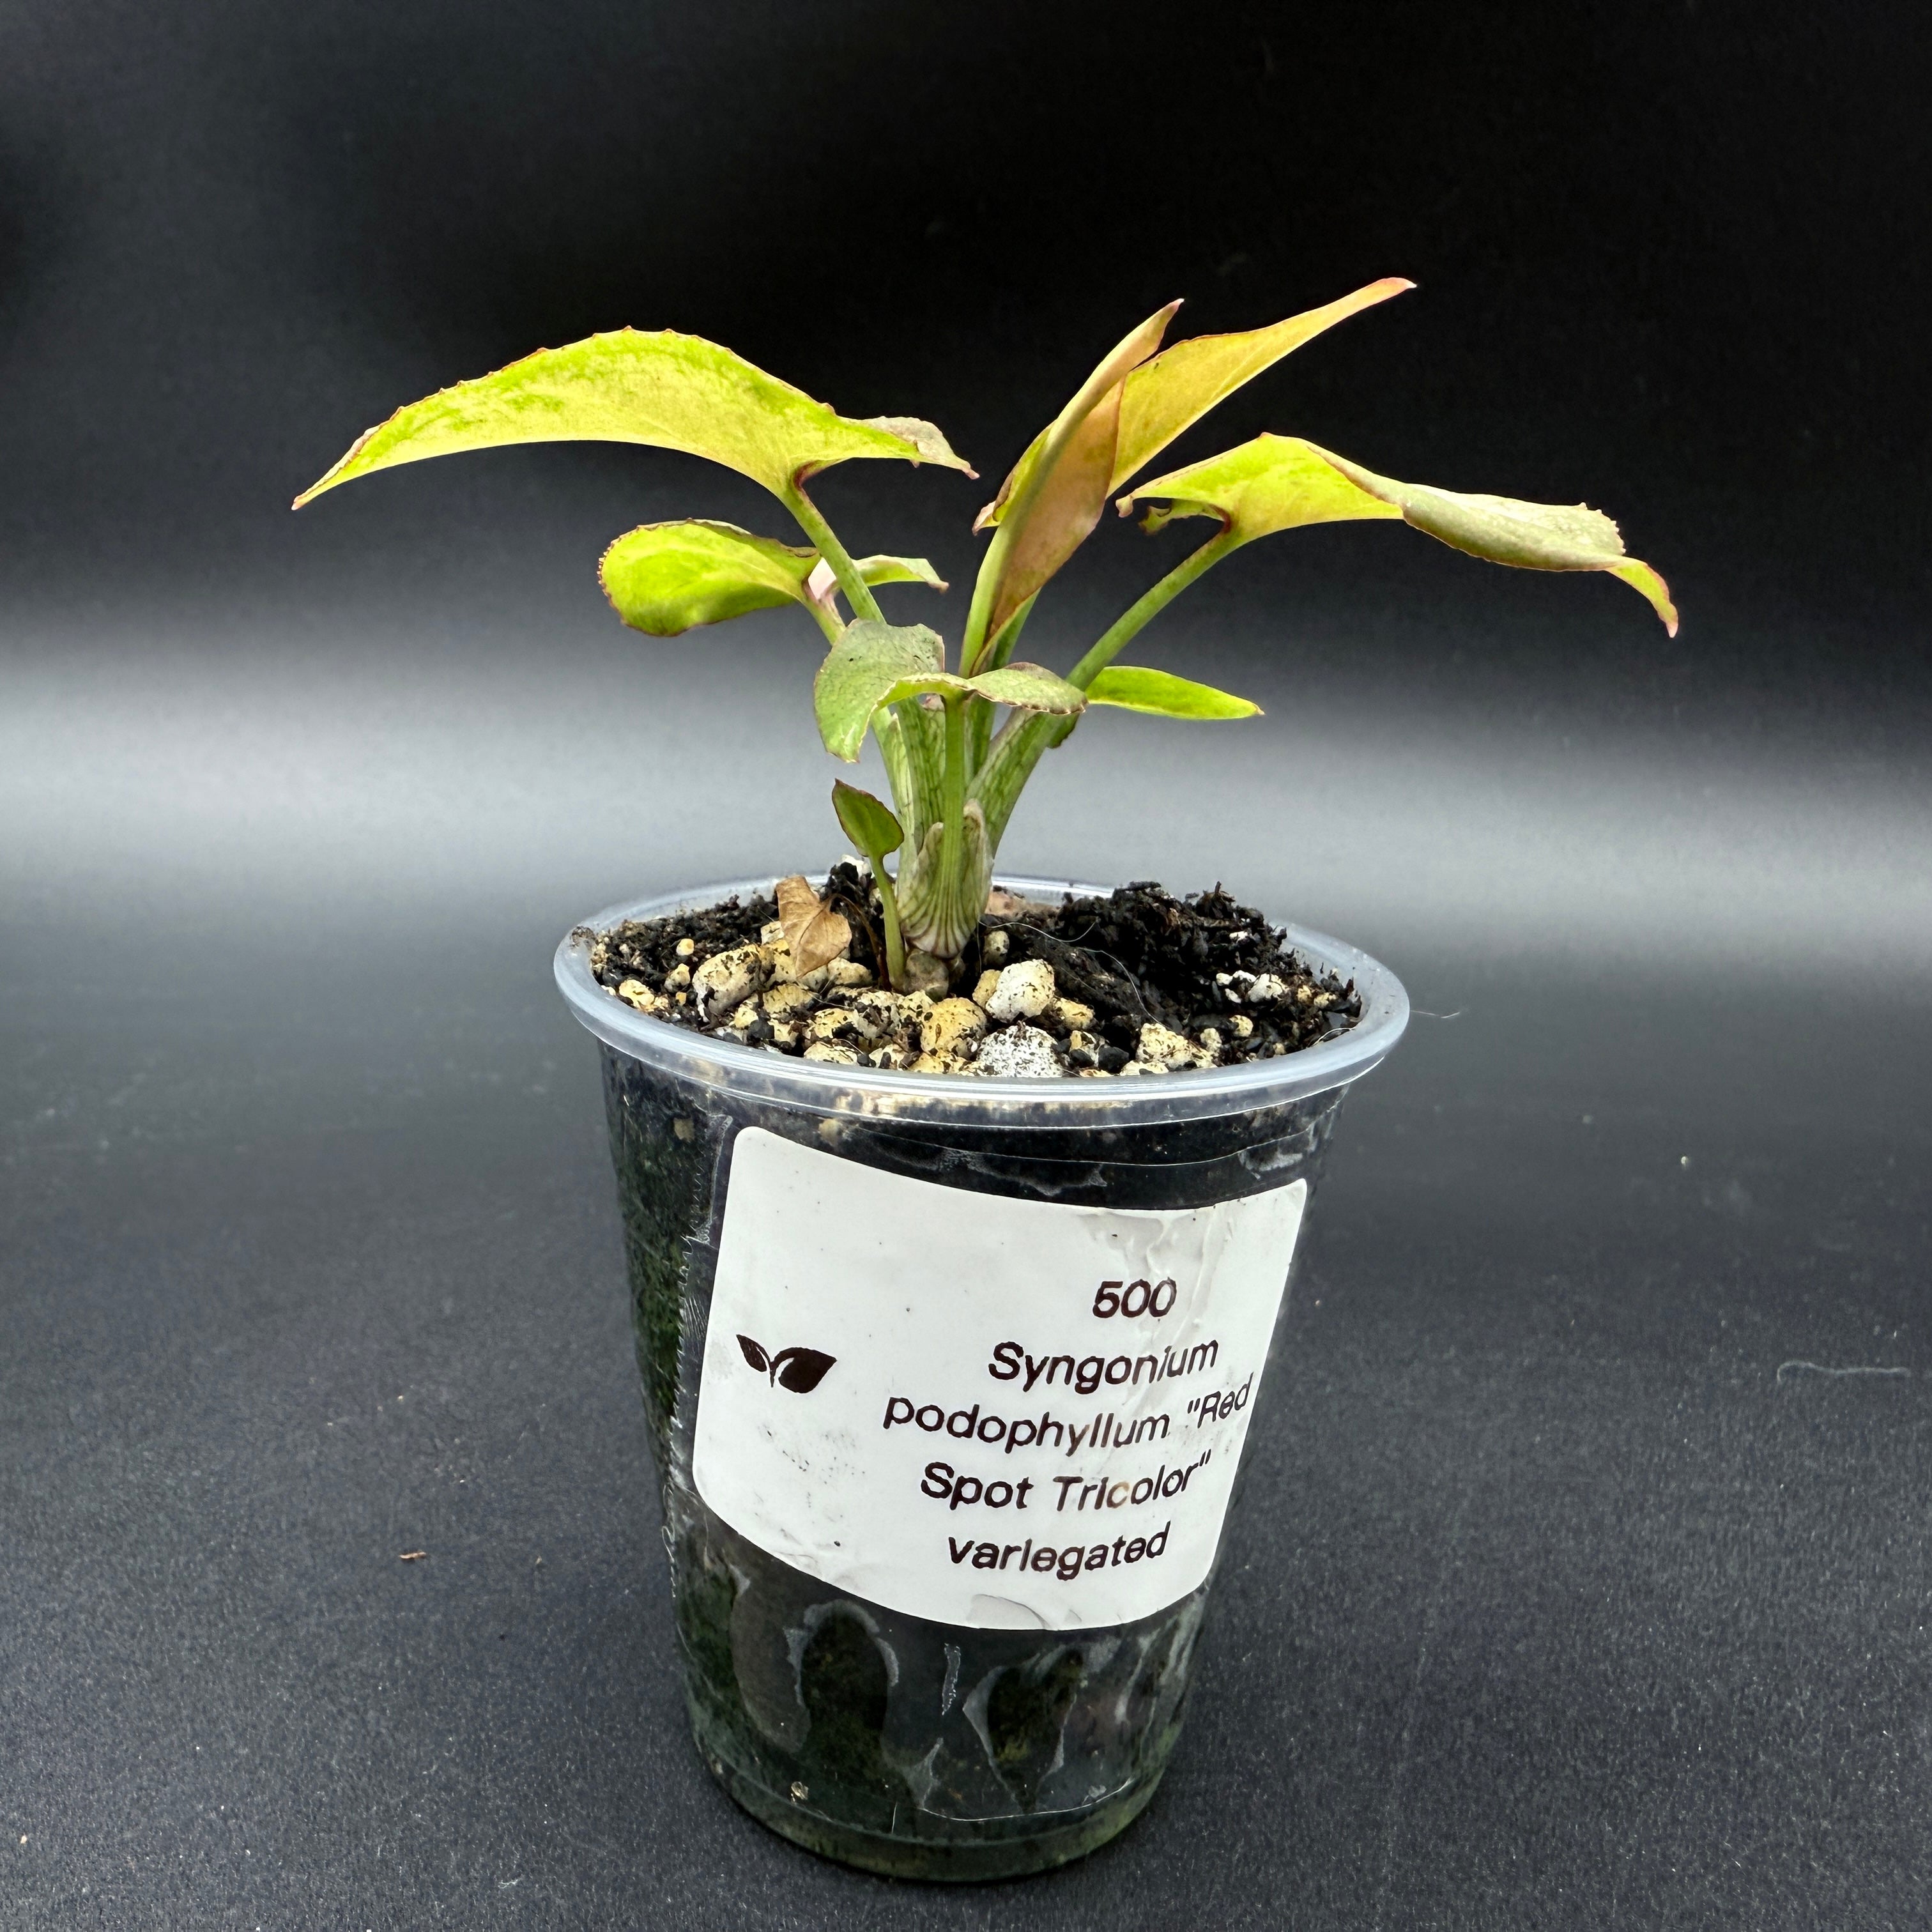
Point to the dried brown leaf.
(817, 935)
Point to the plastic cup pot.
(950, 1382)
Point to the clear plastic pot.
(893, 1740)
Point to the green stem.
(826, 619)
(896, 749)
(905, 737)
(953, 848)
(911, 743)
(889, 905)
(1002, 652)
(1134, 619)
(858, 592)
(942, 884)
(985, 587)
(1026, 738)
(978, 735)
(982, 721)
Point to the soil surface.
(1138, 983)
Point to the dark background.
(1571, 1588)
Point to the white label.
(993, 1412)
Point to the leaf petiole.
(876, 832)
(980, 731)
(1002, 772)
(1138, 615)
(953, 848)
(838, 558)
(888, 906)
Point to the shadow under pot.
(950, 1382)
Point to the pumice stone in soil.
(1138, 983)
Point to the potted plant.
(959, 1207)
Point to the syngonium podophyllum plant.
(954, 778)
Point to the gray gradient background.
(1556, 1603)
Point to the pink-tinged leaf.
(1054, 496)
(927, 438)
(1180, 385)
(1064, 513)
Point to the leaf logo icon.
(801, 1370)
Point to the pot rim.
(821, 1087)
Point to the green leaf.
(900, 570)
(1187, 379)
(671, 391)
(874, 664)
(1054, 496)
(1530, 536)
(1026, 687)
(1282, 482)
(1273, 483)
(867, 822)
(665, 578)
(869, 663)
(1162, 695)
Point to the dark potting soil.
(1141, 981)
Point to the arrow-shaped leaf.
(671, 391)
(1053, 496)
(1283, 482)
(1273, 483)
(1187, 379)
(1132, 688)
(665, 578)
(1530, 536)
(873, 664)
